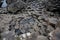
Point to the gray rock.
(55, 35)
(53, 20)
(42, 38)
(8, 35)
(15, 6)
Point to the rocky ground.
(32, 23)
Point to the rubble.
(22, 21)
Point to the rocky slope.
(32, 22)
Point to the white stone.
(16, 35)
(50, 34)
(28, 34)
(4, 38)
(23, 35)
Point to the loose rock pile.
(34, 19)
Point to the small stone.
(42, 38)
(50, 28)
(53, 20)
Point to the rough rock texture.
(54, 6)
(18, 19)
(55, 35)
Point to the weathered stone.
(53, 20)
(55, 35)
(40, 37)
(8, 35)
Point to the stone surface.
(55, 35)
(22, 19)
(53, 20)
(42, 38)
